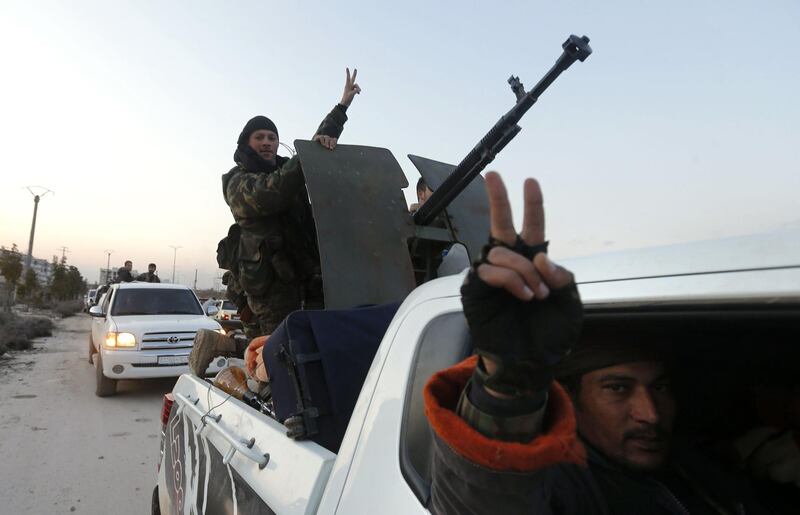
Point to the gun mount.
(372, 250)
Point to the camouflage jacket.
(278, 236)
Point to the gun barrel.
(575, 48)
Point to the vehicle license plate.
(173, 360)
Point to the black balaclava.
(248, 157)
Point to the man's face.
(627, 412)
(128, 265)
(423, 195)
(265, 143)
(151, 269)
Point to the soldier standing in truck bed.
(278, 260)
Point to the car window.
(444, 342)
(155, 301)
(229, 305)
(106, 300)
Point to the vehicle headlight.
(120, 341)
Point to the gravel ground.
(64, 450)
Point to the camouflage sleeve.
(522, 427)
(333, 124)
(259, 194)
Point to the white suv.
(145, 330)
(227, 310)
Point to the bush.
(16, 332)
(6, 318)
(14, 337)
(67, 308)
(36, 326)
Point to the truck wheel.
(91, 349)
(155, 506)
(105, 387)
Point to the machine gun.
(501, 134)
(372, 251)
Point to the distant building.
(106, 276)
(41, 267)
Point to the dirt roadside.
(64, 450)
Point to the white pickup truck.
(731, 301)
(145, 330)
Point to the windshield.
(228, 305)
(155, 302)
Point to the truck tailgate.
(236, 459)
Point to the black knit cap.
(256, 123)
(601, 349)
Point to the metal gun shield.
(468, 213)
(362, 223)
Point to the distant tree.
(10, 269)
(76, 285)
(66, 281)
(30, 284)
(58, 279)
(30, 289)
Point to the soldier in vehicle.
(455, 257)
(124, 273)
(150, 276)
(277, 264)
(509, 438)
(278, 257)
(423, 193)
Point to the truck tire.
(91, 349)
(105, 387)
(155, 506)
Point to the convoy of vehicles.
(144, 330)
(88, 300)
(729, 302)
(226, 310)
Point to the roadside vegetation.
(60, 294)
(17, 332)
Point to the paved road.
(64, 450)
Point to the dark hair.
(151, 264)
(572, 384)
(128, 261)
(422, 185)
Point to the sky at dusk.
(683, 125)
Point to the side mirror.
(96, 311)
(211, 310)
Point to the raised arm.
(332, 126)
(488, 413)
(524, 314)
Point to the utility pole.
(108, 264)
(174, 258)
(64, 251)
(195, 280)
(36, 198)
